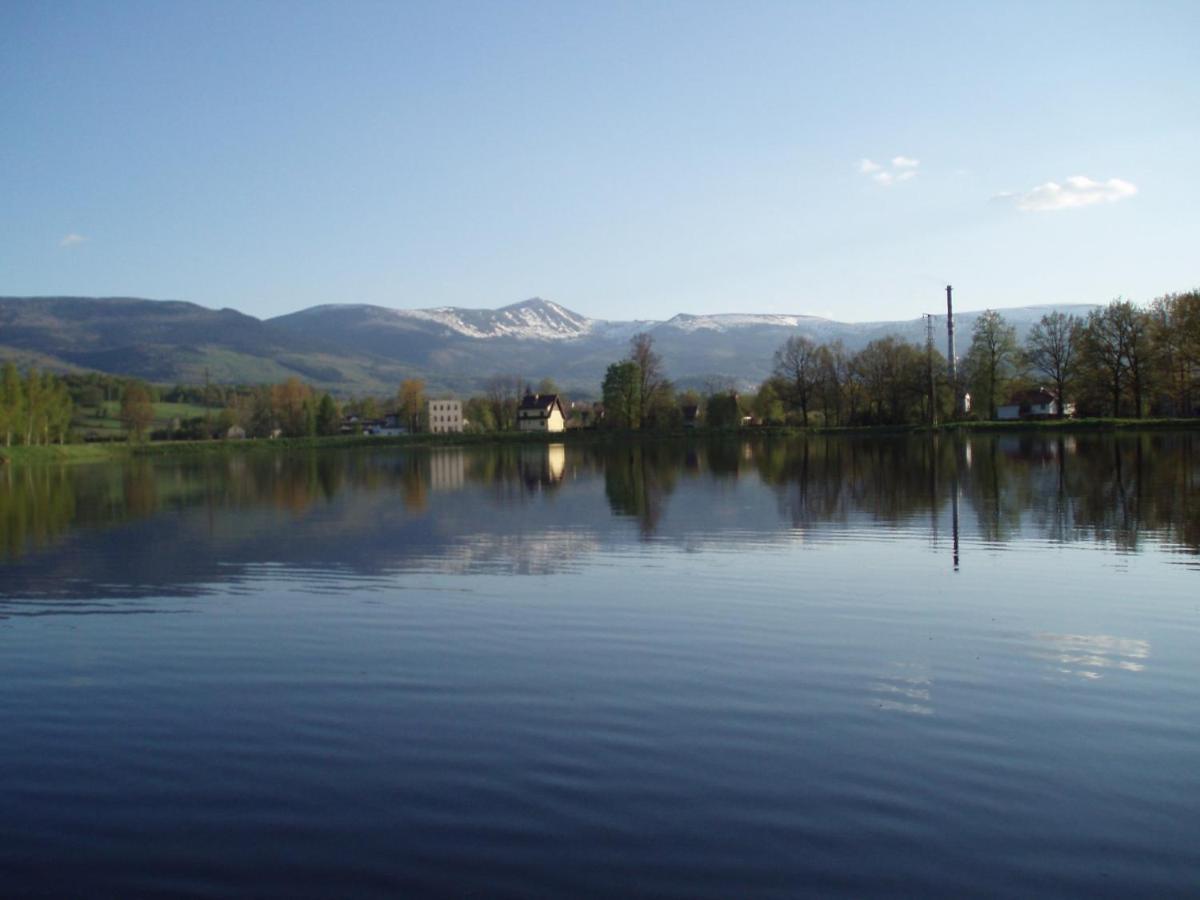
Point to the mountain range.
(359, 348)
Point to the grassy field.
(108, 427)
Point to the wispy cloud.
(72, 240)
(901, 168)
(1076, 191)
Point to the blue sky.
(626, 160)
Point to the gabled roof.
(1033, 397)
(542, 403)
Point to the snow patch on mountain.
(726, 321)
(535, 320)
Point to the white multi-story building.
(445, 416)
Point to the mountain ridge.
(361, 347)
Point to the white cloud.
(1078, 190)
(901, 168)
(71, 240)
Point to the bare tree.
(834, 374)
(992, 354)
(503, 393)
(798, 362)
(1052, 348)
(1117, 345)
(652, 383)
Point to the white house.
(445, 416)
(1038, 403)
(541, 412)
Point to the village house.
(445, 416)
(540, 412)
(1038, 403)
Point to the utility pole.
(929, 368)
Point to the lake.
(829, 666)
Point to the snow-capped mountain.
(356, 348)
(539, 338)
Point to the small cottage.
(1038, 403)
(541, 412)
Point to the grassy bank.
(100, 452)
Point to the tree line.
(1120, 360)
(35, 408)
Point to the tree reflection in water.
(1117, 489)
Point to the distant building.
(1038, 403)
(235, 433)
(445, 416)
(541, 412)
(389, 426)
(691, 416)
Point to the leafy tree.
(890, 376)
(798, 366)
(137, 412)
(766, 405)
(327, 416)
(262, 420)
(991, 357)
(1118, 353)
(622, 395)
(12, 402)
(722, 410)
(290, 402)
(1175, 325)
(653, 389)
(477, 415)
(1052, 348)
(410, 401)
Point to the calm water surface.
(828, 667)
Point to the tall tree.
(137, 412)
(327, 416)
(410, 401)
(652, 385)
(622, 395)
(798, 365)
(1135, 327)
(1104, 352)
(1176, 333)
(1052, 348)
(12, 402)
(291, 401)
(503, 393)
(991, 356)
(833, 365)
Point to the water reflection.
(1090, 656)
(535, 508)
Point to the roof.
(1033, 397)
(542, 403)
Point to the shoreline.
(113, 451)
